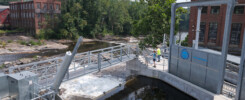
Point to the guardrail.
(83, 63)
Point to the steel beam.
(64, 67)
(241, 79)
(225, 43)
(198, 26)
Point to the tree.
(156, 22)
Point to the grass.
(10, 41)
(31, 42)
(2, 66)
(3, 44)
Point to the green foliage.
(31, 42)
(3, 44)
(10, 41)
(185, 42)
(93, 18)
(156, 21)
(11, 31)
(2, 66)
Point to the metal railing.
(82, 64)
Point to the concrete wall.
(4, 87)
(137, 68)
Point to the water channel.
(85, 46)
(144, 88)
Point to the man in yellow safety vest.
(158, 54)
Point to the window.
(45, 6)
(235, 33)
(39, 25)
(51, 6)
(212, 34)
(57, 6)
(32, 6)
(204, 10)
(239, 10)
(39, 15)
(215, 9)
(202, 31)
(38, 5)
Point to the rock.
(7, 63)
(28, 44)
(62, 90)
(25, 60)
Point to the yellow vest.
(158, 51)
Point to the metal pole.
(111, 53)
(137, 52)
(179, 38)
(89, 57)
(121, 53)
(241, 78)
(198, 26)
(64, 67)
(225, 43)
(99, 62)
(171, 42)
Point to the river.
(145, 88)
(85, 46)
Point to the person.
(158, 54)
(154, 58)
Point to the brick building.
(4, 16)
(212, 25)
(30, 15)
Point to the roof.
(232, 58)
(3, 8)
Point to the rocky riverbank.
(26, 44)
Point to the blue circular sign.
(184, 54)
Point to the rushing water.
(144, 88)
(85, 46)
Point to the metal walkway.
(82, 64)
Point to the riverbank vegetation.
(97, 18)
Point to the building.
(4, 16)
(30, 15)
(212, 26)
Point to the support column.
(198, 27)
(225, 43)
(241, 80)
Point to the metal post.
(225, 43)
(128, 50)
(99, 62)
(111, 53)
(198, 26)
(171, 42)
(241, 78)
(89, 57)
(137, 52)
(121, 53)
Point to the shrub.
(10, 41)
(2, 66)
(3, 44)
(23, 43)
